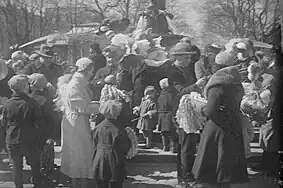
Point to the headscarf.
(110, 109)
(37, 81)
(83, 63)
(17, 82)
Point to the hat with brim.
(183, 48)
(43, 54)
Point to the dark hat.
(212, 48)
(44, 53)
(182, 48)
(95, 46)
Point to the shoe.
(195, 185)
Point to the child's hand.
(136, 110)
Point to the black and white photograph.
(141, 93)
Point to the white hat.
(83, 63)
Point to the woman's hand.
(201, 82)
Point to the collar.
(78, 76)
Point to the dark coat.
(202, 68)
(220, 158)
(143, 76)
(183, 82)
(5, 89)
(99, 61)
(48, 112)
(111, 146)
(165, 110)
(22, 118)
(98, 81)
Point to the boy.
(21, 118)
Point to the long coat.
(111, 145)
(165, 110)
(220, 158)
(77, 143)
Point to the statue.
(156, 19)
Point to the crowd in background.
(141, 94)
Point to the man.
(45, 65)
(183, 82)
(97, 57)
(22, 119)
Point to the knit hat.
(110, 109)
(37, 81)
(17, 82)
(83, 63)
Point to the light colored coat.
(77, 143)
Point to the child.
(38, 83)
(22, 119)
(111, 146)
(165, 116)
(147, 111)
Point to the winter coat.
(147, 123)
(165, 110)
(221, 157)
(111, 144)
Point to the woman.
(111, 144)
(203, 68)
(78, 147)
(220, 160)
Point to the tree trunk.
(281, 13)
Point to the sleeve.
(4, 118)
(124, 142)
(153, 109)
(213, 102)
(198, 70)
(189, 89)
(78, 101)
(51, 117)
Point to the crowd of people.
(136, 85)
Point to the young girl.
(147, 111)
(111, 144)
(165, 116)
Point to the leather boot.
(165, 143)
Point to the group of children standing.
(155, 113)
